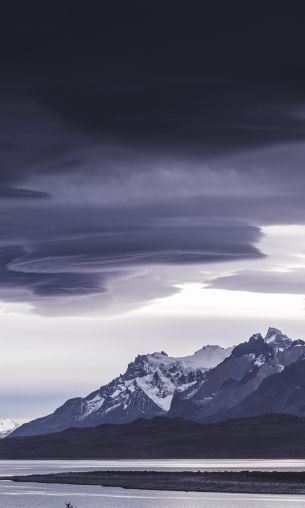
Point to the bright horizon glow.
(197, 298)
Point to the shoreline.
(245, 482)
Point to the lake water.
(31, 495)
(25, 495)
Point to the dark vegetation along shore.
(269, 436)
(257, 482)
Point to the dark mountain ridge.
(268, 436)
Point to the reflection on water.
(54, 496)
(11, 467)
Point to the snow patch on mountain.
(161, 397)
(7, 426)
(205, 358)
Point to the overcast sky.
(151, 187)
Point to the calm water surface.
(33, 495)
(25, 495)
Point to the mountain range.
(259, 376)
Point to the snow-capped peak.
(205, 358)
(7, 425)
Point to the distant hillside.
(269, 436)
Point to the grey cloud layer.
(71, 252)
(263, 281)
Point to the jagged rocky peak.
(256, 345)
(277, 339)
(274, 340)
(298, 342)
(272, 332)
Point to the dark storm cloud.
(43, 284)
(13, 193)
(140, 243)
(199, 79)
(157, 133)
